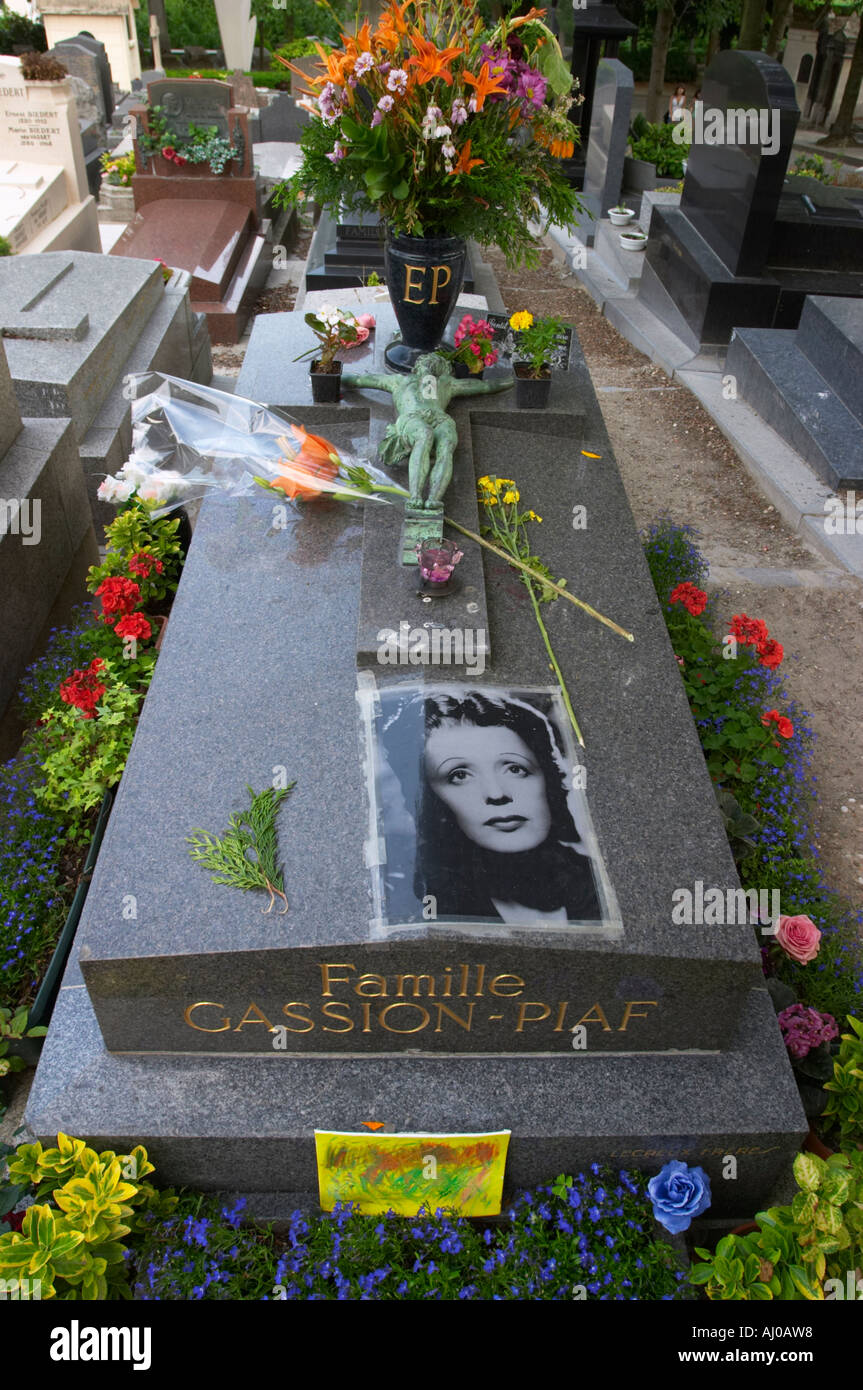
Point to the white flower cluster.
(151, 484)
(334, 318)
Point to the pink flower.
(366, 320)
(799, 938)
(475, 349)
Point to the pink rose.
(366, 320)
(799, 938)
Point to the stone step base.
(781, 384)
(247, 1123)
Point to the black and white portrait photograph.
(479, 814)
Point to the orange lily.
(359, 43)
(337, 67)
(396, 13)
(464, 163)
(317, 459)
(524, 18)
(431, 62)
(485, 85)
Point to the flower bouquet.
(444, 125)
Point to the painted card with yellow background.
(404, 1172)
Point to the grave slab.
(71, 361)
(170, 1014)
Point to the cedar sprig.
(250, 833)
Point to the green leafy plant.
(537, 340)
(136, 533)
(813, 166)
(844, 1109)
(83, 758)
(334, 328)
(250, 833)
(202, 145)
(13, 1027)
(5, 247)
(739, 825)
(656, 145)
(74, 1244)
(796, 1247)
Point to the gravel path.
(674, 461)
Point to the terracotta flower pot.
(813, 1145)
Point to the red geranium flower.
(83, 689)
(135, 625)
(168, 151)
(770, 653)
(784, 727)
(119, 596)
(143, 563)
(749, 631)
(694, 600)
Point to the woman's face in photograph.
(492, 783)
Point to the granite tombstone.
(222, 1038)
(609, 135)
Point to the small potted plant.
(334, 328)
(474, 347)
(620, 216)
(633, 240)
(536, 343)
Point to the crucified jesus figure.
(422, 431)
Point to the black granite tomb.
(747, 243)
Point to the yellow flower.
(521, 320)
(532, 516)
(505, 482)
(511, 495)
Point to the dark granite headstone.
(609, 135)
(192, 101)
(283, 120)
(87, 57)
(732, 190)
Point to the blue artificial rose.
(678, 1193)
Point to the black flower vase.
(424, 277)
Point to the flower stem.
(553, 659)
(540, 579)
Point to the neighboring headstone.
(192, 101)
(208, 224)
(80, 60)
(149, 75)
(44, 518)
(107, 26)
(732, 190)
(283, 120)
(39, 126)
(808, 385)
(609, 136)
(237, 27)
(745, 247)
(76, 326)
(323, 1017)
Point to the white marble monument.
(237, 28)
(45, 203)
